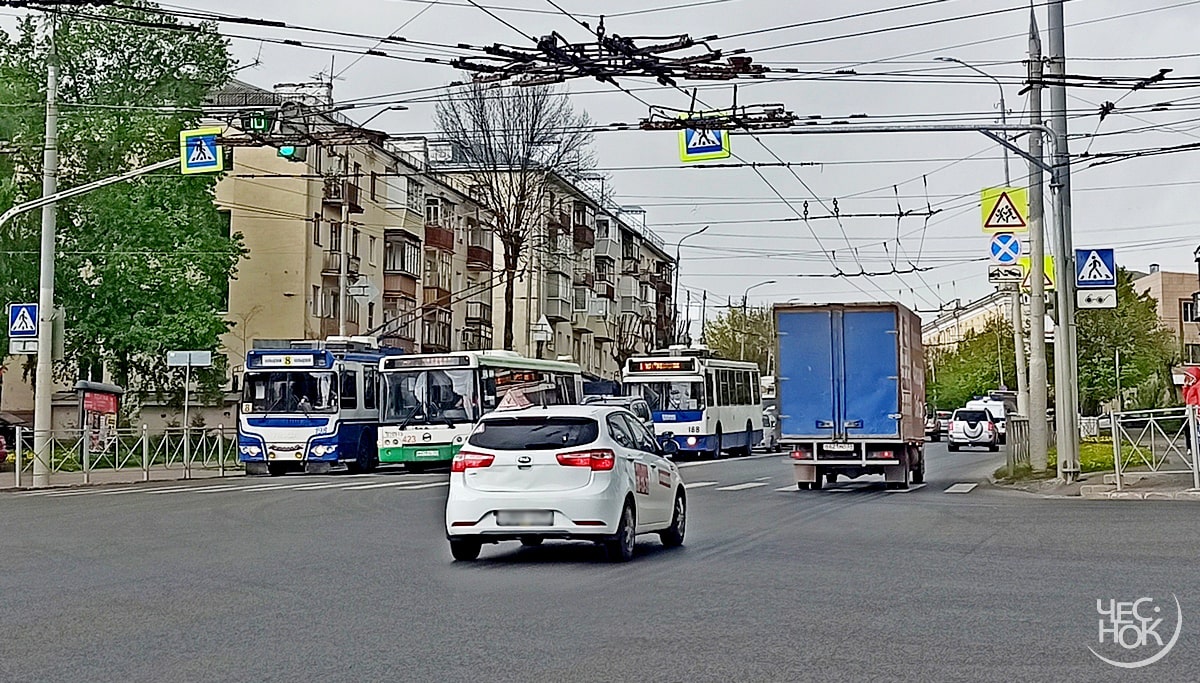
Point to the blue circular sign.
(1006, 248)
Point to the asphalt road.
(350, 578)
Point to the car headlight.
(250, 450)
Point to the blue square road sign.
(22, 321)
(1095, 269)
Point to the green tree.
(1148, 350)
(956, 374)
(737, 335)
(142, 267)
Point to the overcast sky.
(1143, 207)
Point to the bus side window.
(708, 390)
(756, 388)
(370, 388)
(487, 383)
(566, 390)
(349, 389)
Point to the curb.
(1190, 495)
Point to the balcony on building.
(337, 188)
(558, 309)
(479, 246)
(608, 246)
(436, 331)
(330, 328)
(331, 264)
(605, 288)
(399, 329)
(439, 236)
(479, 312)
(584, 277)
(435, 297)
(477, 337)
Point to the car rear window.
(944, 414)
(971, 416)
(534, 433)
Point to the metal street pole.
(1066, 394)
(1038, 435)
(44, 378)
(1018, 323)
(678, 265)
(745, 297)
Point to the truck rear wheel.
(918, 475)
(905, 468)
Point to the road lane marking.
(793, 487)
(386, 484)
(214, 489)
(318, 487)
(70, 493)
(910, 489)
(743, 487)
(961, 488)
(169, 489)
(699, 484)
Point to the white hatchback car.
(586, 472)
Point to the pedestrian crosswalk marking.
(743, 487)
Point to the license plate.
(839, 447)
(524, 518)
(428, 454)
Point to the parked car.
(633, 404)
(770, 440)
(973, 427)
(575, 472)
(937, 424)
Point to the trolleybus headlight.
(322, 449)
(691, 441)
(252, 451)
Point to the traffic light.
(294, 152)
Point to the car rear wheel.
(620, 547)
(672, 537)
(993, 448)
(465, 549)
(953, 448)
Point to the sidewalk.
(111, 476)
(1139, 486)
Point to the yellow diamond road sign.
(1005, 209)
(1049, 271)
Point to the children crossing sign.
(199, 151)
(1005, 209)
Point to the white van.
(996, 408)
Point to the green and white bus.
(431, 402)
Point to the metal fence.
(86, 457)
(1155, 442)
(1017, 440)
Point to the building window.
(415, 195)
(1188, 311)
(558, 286)
(402, 256)
(317, 229)
(371, 315)
(372, 243)
(316, 301)
(433, 211)
(354, 238)
(1191, 354)
(374, 186)
(335, 236)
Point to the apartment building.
(954, 325)
(356, 237)
(1176, 296)
(595, 280)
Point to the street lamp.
(1003, 110)
(745, 298)
(675, 296)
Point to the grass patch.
(1094, 456)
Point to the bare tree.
(511, 143)
(629, 338)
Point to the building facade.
(1176, 296)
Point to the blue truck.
(851, 391)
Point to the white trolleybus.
(431, 402)
(710, 405)
(311, 406)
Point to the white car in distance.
(575, 472)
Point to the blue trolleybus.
(311, 406)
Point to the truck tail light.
(884, 455)
(465, 460)
(801, 454)
(600, 460)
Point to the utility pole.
(1066, 392)
(1038, 436)
(343, 252)
(43, 423)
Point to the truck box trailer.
(851, 391)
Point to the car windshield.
(662, 396)
(972, 416)
(289, 392)
(534, 433)
(430, 396)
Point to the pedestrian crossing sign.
(199, 151)
(1095, 269)
(1005, 209)
(1048, 269)
(703, 144)
(22, 321)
